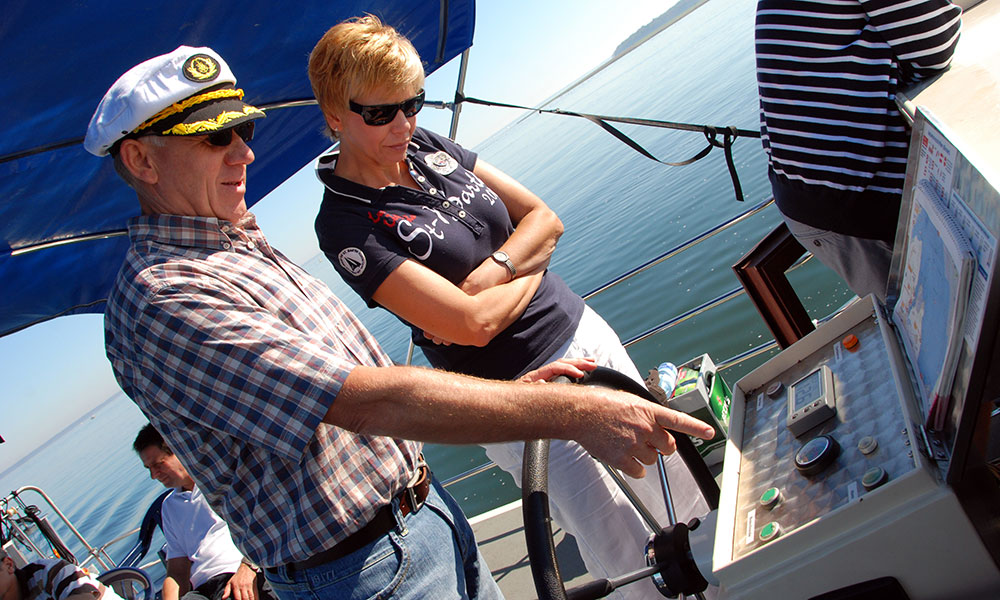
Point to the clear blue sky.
(524, 51)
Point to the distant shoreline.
(675, 13)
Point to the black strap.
(729, 134)
(632, 143)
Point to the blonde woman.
(458, 250)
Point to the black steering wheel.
(535, 498)
(131, 583)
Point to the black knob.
(816, 455)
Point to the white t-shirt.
(194, 531)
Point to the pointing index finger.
(684, 423)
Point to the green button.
(874, 477)
(770, 497)
(769, 532)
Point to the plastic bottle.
(668, 377)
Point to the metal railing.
(701, 237)
(14, 506)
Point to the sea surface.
(619, 210)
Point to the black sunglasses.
(380, 114)
(225, 136)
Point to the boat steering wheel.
(131, 583)
(669, 549)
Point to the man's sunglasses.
(225, 136)
(380, 114)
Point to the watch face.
(501, 257)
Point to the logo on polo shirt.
(353, 260)
(441, 162)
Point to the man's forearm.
(177, 581)
(435, 406)
(171, 589)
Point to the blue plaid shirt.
(235, 354)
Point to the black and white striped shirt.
(57, 579)
(828, 72)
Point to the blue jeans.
(430, 554)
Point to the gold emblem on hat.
(201, 67)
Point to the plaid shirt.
(235, 354)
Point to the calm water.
(619, 209)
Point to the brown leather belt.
(410, 500)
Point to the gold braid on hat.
(187, 103)
(212, 124)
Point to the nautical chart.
(934, 291)
(938, 270)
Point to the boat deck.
(501, 540)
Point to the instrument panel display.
(811, 401)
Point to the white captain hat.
(190, 91)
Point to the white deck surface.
(966, 97)
(501, 539)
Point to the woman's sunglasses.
(225, 137)
(380, 114)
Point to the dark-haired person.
(284, 409)
(203, 563)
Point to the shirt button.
(226, 245)
(444, 204)
(225, 228)
(421, 179)
(250, 245)
(432, 190)
(461, 214)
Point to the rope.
(729, 134)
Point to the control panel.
(827, 481)
(812, 432)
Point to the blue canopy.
(56, 200)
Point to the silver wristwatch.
(501, 257)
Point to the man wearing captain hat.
(289, 416)
(190, 91)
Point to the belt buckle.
(415, 504)
(411, 492)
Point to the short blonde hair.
(361, 55)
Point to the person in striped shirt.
(827, 73)
(49, 579)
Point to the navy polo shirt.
(451, 225)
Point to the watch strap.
(502, 258)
